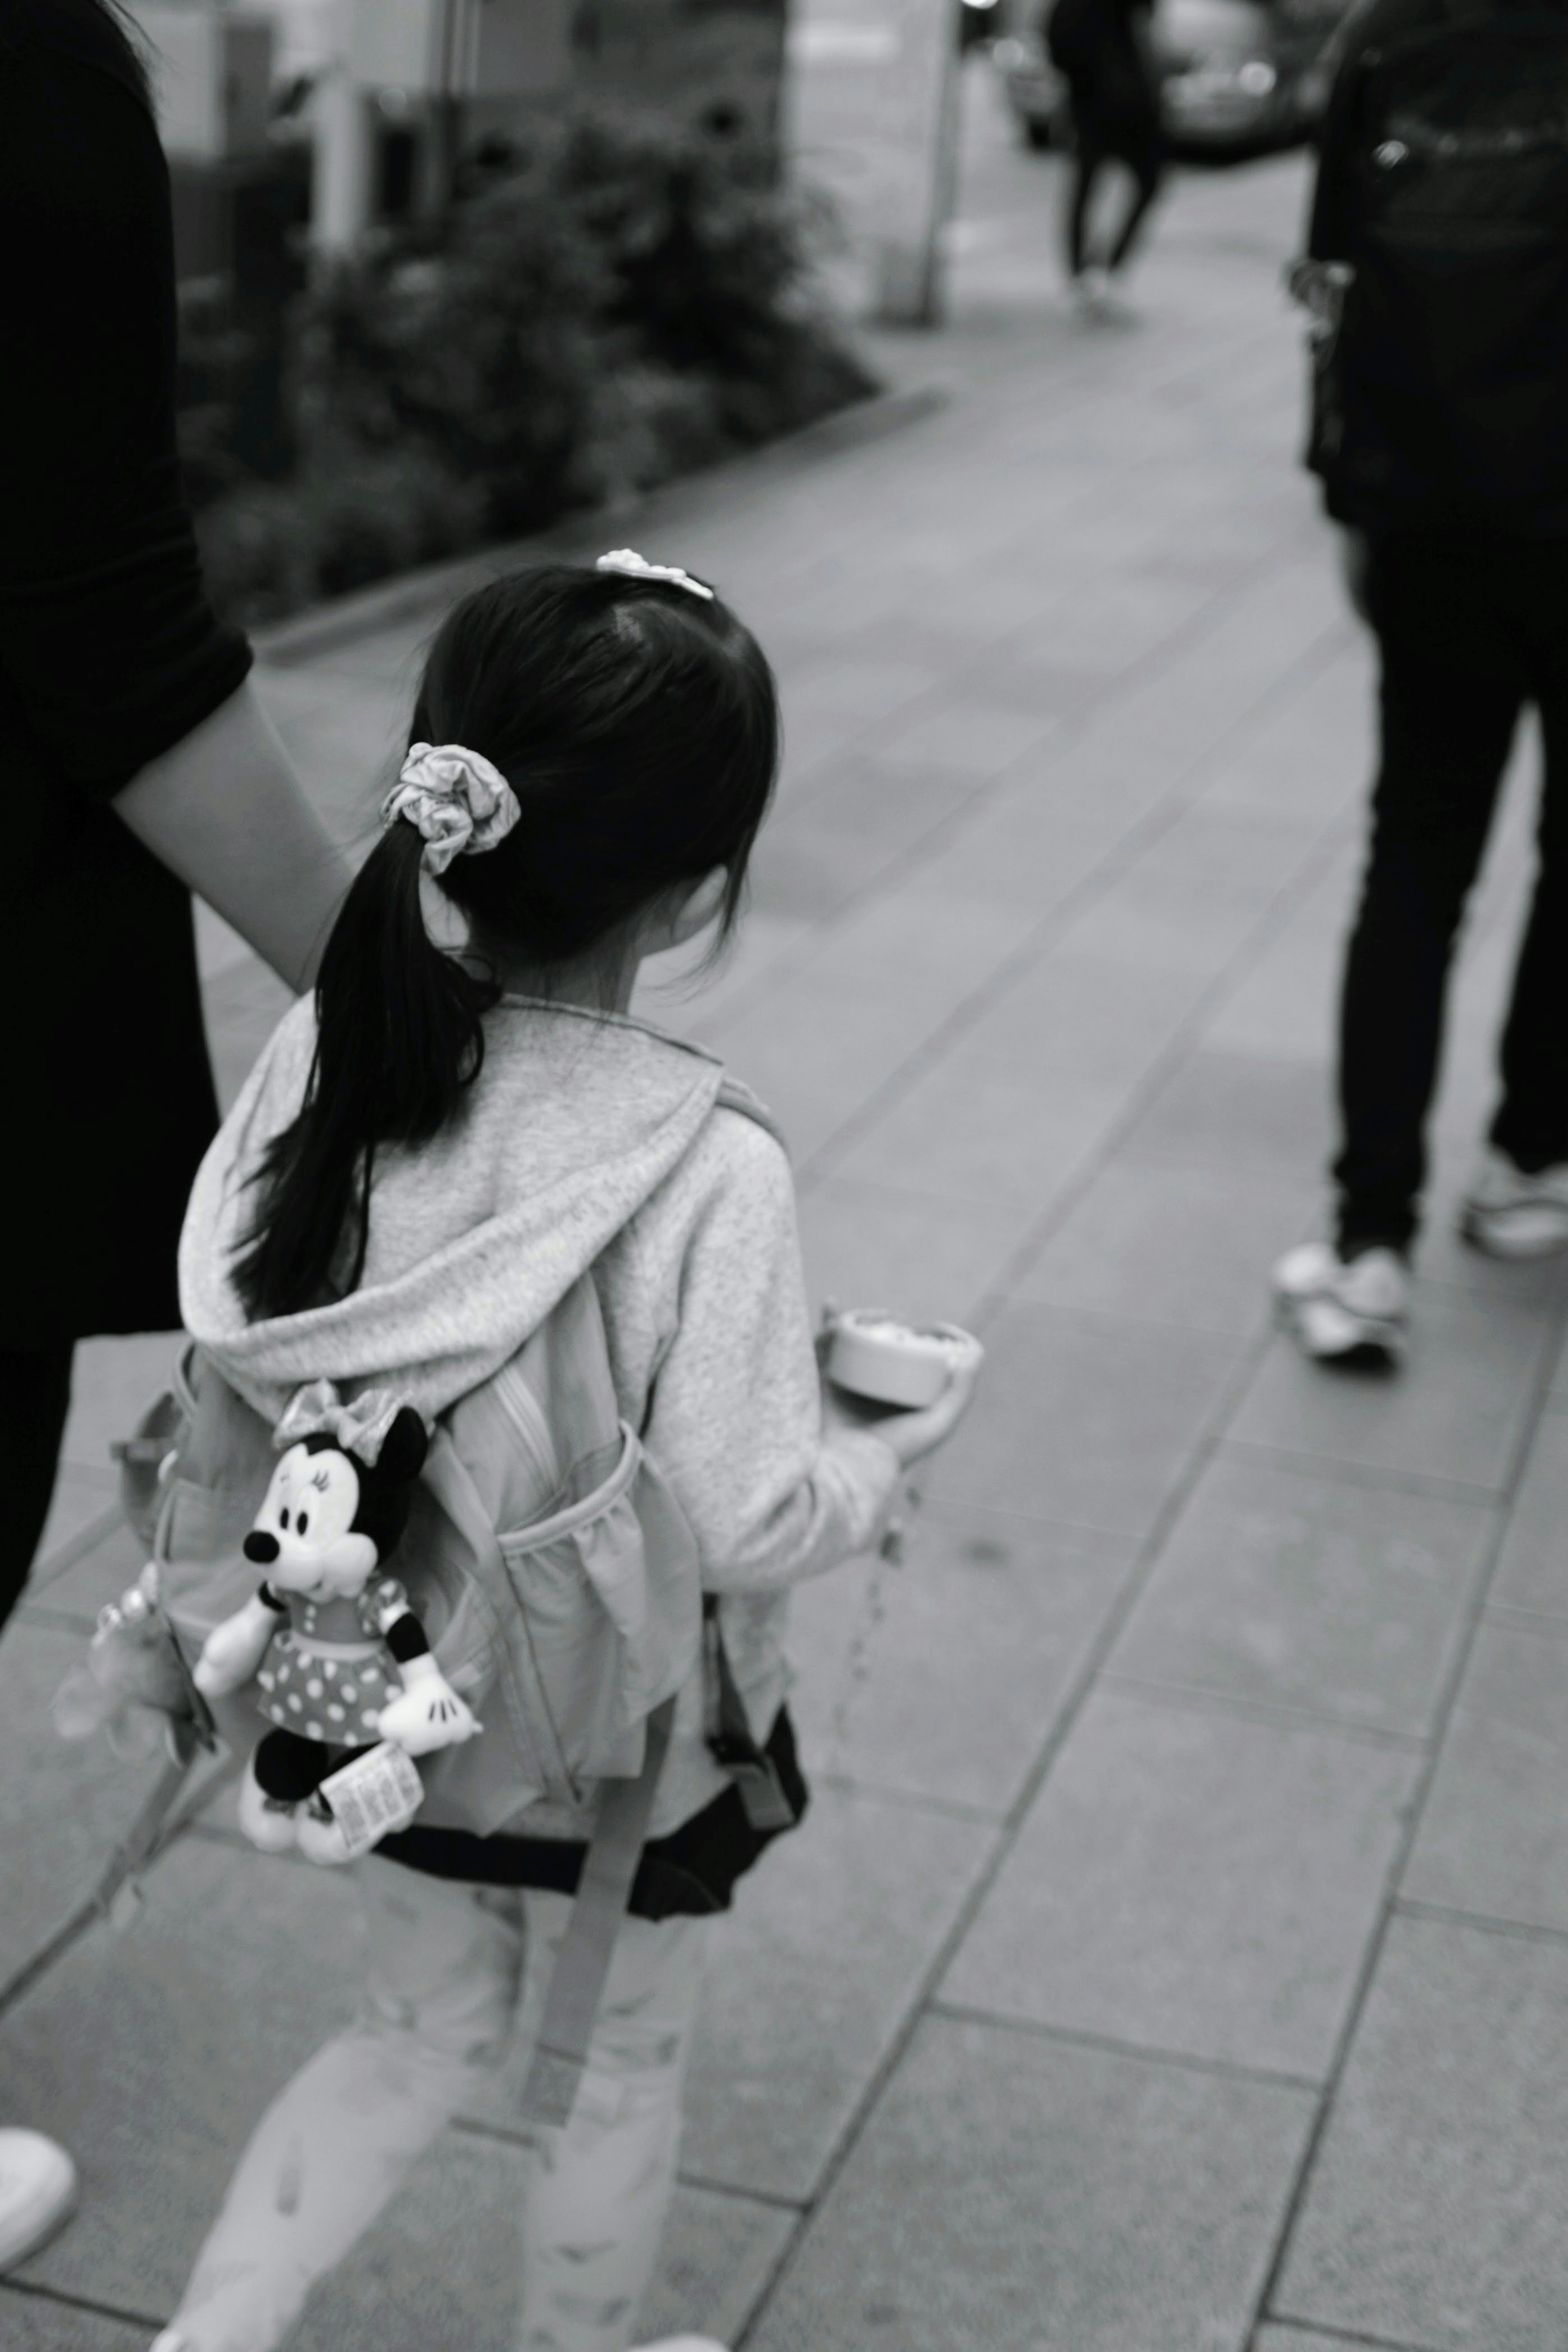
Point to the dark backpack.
(1444, 391)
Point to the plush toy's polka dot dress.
(329, 1673)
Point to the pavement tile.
(1313, 755)
(840, 1925)
(978, 1133)
(1180, 1245)
(1532, 1567)
(933, 1260)
(719, 2254)
(34, 2323)
(1233, 861)
(113, 1383)
(237, 1970)
(1284, 1589)
(814, 1053)
(1022, 848)
(83, 1494)
(78, 1587)
(1079, 1016)
(1010, 2192)
(1285, 1004)
(63, 1803)
(1494, 1831)
(1192, 1881)
(1454, 1411)
(940, 1678)
(1083, 1419)
(1436, 2212)
(811, 871)
(1304, 2339)
(1236, 1110)
(973, 738)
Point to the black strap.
(729, 1738)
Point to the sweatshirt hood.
(574, 1121)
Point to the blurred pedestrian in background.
(136, 765)
(1103, 49)
(1437, 274)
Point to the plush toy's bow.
(358, 1424)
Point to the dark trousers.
(35, 1397)
(1468, 637)
(1099, 137)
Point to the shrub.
(622, 302)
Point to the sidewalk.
(1176, 1956)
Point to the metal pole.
(340, 206)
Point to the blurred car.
(1237, 76)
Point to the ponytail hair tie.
(459, 802)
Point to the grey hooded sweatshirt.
(587, 1140)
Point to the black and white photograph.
(784, 1358)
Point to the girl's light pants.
(443, 1974)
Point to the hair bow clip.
(637, 567)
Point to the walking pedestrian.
(136, 766)
(1437, 271)
(1103, 49)
(442, 1136)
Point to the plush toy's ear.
(404, 1447)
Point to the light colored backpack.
(557, 1582)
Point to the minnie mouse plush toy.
(341, 1663)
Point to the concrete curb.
(436, 585)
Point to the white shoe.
(1091, 291)
(37, 2193)
(170, 2341)
(1509, 1214)
(1344, 1312)
(668, 2343)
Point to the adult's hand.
(225, 811)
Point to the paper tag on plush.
(377, 1794)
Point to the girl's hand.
(912, 1434)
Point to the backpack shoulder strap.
(733, 1096)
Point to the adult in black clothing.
(133, 758)
(134, 765)
(1103, 49)
(1460, 568)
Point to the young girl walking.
(430, 1152)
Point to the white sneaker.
(1090, 292)
(667, 2344)
(37, 2193)
(1509, 1214)
(1342, 1312)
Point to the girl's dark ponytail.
(637, 724)
(400, 1035)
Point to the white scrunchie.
(455, 799)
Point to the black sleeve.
(106, 635)
(405, 1638)
(1369, 26)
